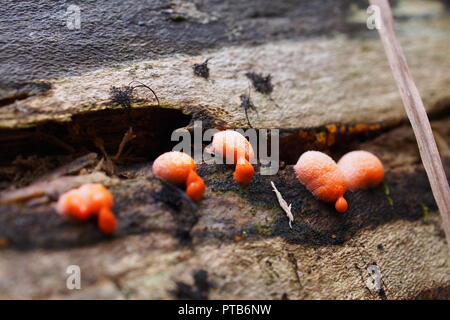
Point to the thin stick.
(416, 114)
(126, 138)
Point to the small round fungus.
(235, 149)
(89, 200)
(179, 168)
(321, 175)
(361, 169)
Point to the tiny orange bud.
(341, 205)
(243, 174)
(106, 221)
(195, 186)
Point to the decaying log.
(332, 91)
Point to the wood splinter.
(283, 204)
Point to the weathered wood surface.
(37, 44)
(316, 81)
(238, 235)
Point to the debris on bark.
(283, 204)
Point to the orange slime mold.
(235, 149)
(321, 175)
(89, 200)
(179, 168)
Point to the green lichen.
(386, 189)
(426, 212)
(387, 192)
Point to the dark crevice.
(152, 127)
(335, 139)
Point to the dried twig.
(109, 165)
(283, 204)
(126, 138)
(416, 114)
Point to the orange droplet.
(321, 175)
(179, 168)
(195, 186)
(341, 205)
(97, 197)
(106, 221)
(361, 169)
(235, 149)
(243, 174)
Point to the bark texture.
(332, 91)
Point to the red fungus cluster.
(321, 175)
(329, 181)
(89, 200)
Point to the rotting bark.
(405, 196)
(315, 224)
(172, 228)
